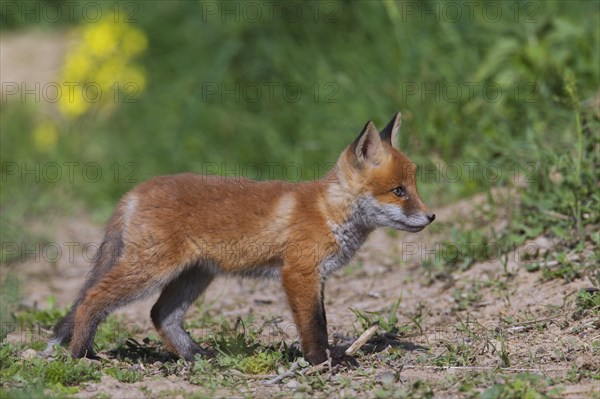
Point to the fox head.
(382, 181)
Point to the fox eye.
(399, 191)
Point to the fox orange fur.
(175, 234)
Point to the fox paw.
(190, 355)
(85, 354)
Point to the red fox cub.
(175, 234)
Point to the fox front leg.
(304, 293)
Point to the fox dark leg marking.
(304, 296)
(168, 312)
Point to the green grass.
(61, 374)
(462, 249)
(125, 375)
(522, 386)
(587, 302)
(44, 318)
(468, 296)
(560, 201)
(418, 389)
(236, 347)
(387, 320)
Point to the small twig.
(251, 376)
(314, 369)
(556, 215)
(550, 263)
(529, 323)
(590, 323)
(360, 341)
(517, 329)
(292, 370)
(281, 376)
(571, 256)
(575, 391)
(484, 368)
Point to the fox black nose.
(431, 217)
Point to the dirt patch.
(32, 60)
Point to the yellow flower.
(101, 39)
(45, 136)
(72, 102)
(110, 72)
(77, 67)
(103, 58)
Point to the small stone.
(29, 354)
(157, 364)
(388, 377)
(585, 362)
(292, 384)
(555, 176)
(303, 388)
(173, 378)
(89, 361)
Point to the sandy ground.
(29, 62)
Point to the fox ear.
(390, 133)
(367, 146)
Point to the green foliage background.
(352, 60)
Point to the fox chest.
(349, 239)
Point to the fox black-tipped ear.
(390, 133)
(367, 146)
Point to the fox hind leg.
(108, 253)
(168, 312)
(122, 285)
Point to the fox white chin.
(405, 227)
